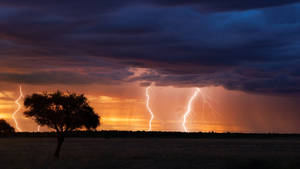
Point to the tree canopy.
(63, 112)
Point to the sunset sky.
(243, 55)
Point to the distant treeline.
(154, 134)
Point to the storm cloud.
(251, 46)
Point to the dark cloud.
(251, 46)
(65, 77)
(97, 7)
(220, 5)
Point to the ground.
(150, 153)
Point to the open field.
(150, 153)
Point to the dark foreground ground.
(150, 153)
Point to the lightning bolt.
(149, 109)
(18, 109)
(206, 101)
(189, 108)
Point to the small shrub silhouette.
(5, 127)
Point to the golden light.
(115, 119)
(4, 116)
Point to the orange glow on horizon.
(129, 113)
(214, 109)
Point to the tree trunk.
(60, 140)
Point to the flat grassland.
(150, 153)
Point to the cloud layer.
(251, 46)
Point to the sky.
(242, 55)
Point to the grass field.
(150, 153)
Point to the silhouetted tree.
(5, 127)
(62, 112)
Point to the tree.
(63, 112)
(5, 127)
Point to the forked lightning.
(149, 109)
(189, 108)
(18, 109)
